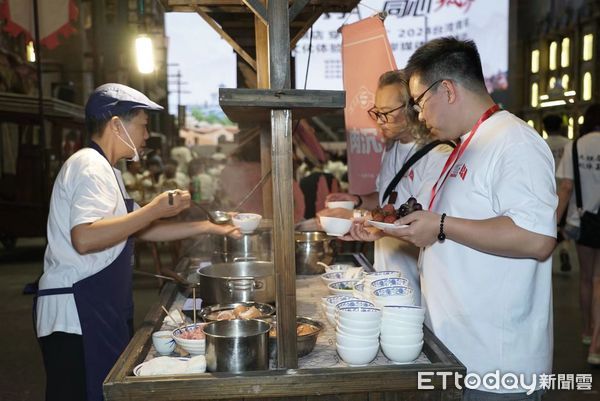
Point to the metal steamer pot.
(313, 247)
(254, 246)
(226, 283)
(237, 345)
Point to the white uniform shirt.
(588, 148)
(391, 253)
(85, 191)
(495, 312)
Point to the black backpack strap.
(578, 198)
(410, 162)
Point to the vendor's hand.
(162, 203)
(423, 229)
(224, 229)
(361, 231)
(340, 196)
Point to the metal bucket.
(254, 246)
(227, 283)
(237, 345)
(312, 247)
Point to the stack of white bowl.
(328, 305)
(357, 333)
(402, 332)
(393, 295)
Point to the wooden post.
(283, 207)
(262, 78)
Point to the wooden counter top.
(320, 375)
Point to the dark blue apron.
(105, 309)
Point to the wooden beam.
(228, 38)
(283, 209)
(297, 8)
(258, 9)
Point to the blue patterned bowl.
(354, 303)
(382, 274)
(393, 291)
(389, 282)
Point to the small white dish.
(334, 226)
(382, 226)
(246, 222)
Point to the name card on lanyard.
(457, 153)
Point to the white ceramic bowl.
(404, 319)
(247, 222)
(337, 268)
(357, 331)
(331, 318)
(354, 303)
(342, 287)
(381, 274)
(359, 324)
(163, 342)
(343, 204)
(335, 226)
(397, 331)
(403, 310)
(357, 356)
(333, 277)
(355, 341)
(401, 353)
(369, 314)
(407, 339)
(387, 301)
(194, 347)
(389, 282)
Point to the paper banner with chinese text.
(366, 54)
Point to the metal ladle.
(220, 217)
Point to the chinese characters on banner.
(366, 55)
(409, 24)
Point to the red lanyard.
(457, 153)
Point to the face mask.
(136, 155)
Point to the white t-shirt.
(588, 148)
(557, 144)
(494, 312)
(85, 191)
(391, 253)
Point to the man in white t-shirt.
(84, 306)
(490, 228)
(404, 135)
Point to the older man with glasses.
(490, 228)
(404, 136)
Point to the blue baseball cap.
(115, 99)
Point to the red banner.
(54, 18)
(366, 54)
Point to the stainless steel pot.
(227, 283)
(312, 247)
(254, 246)
(237, 345)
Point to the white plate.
(136, 370)
(383, 226)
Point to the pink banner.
(366, 54)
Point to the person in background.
(486, 269)
(133, 178)
(315, 188)
(172, 178)
(150, 178)
(404, 135)
(202, 185)
(588, 147)
(84, 307)
(556, 140)
(182, 155)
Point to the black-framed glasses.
(377, 115)
(415, 103)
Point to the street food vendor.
(84, 307)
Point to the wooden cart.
(389, 382)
